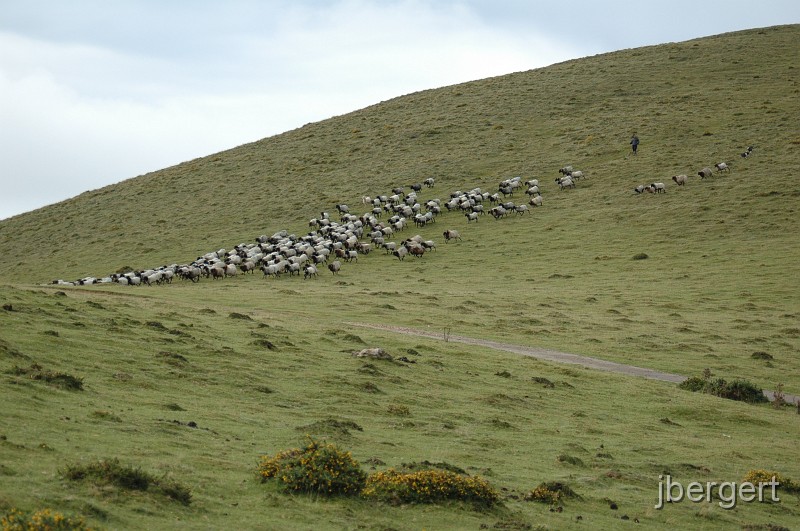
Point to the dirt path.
(552, 355)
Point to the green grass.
(196, 382)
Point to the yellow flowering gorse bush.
(319, 468)
(41, 520)
(429, 486)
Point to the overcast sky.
(93, 92)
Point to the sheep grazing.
(721, 166)
(680, 180)
(705, 172)
(451, 234)
(658, 188)
(335, 266)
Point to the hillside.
(257, 362)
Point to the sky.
(93, 92)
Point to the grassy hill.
(717, 291)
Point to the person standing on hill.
(634, 143)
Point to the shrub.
(740, 390)
(429, 486)
(764, 476)
(41, 520)
(551, 492)
(318, 468)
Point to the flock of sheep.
(331, 243)
(681, 180)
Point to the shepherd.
(634, 143)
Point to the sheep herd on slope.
(681, 180)
(331, 243)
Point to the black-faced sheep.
(658, 188)
(535, 201)
(680, 180)
(705, 172)
(721, 166)
(451, 234)
(565, 182)
(335, 266)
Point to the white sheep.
(680, 180)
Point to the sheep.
(401, 252)
(680, 180)
(335, 266)
(576, 175)
(309, 271)
(429, 245)
(521, 209)
(535, 201)
(343, 209)
(416, 187)
(498, 212)
(566, 170)
(658, 188)
(471, 216)
(416, 250)
(451, 234)
(429, 182)
(532, 182)
(705, 172)
(641, 188)
(746, 153)
(270, 270)
(230, 270)
(533, 190)
(721, 166)
(565, 182)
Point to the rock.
(374, 353)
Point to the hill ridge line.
(552, 355)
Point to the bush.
(319, 468)
(740, 390)
(763, 476)
(429, 486)
(552, 492)
(41, 520)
